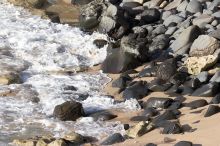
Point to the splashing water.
(44, 49)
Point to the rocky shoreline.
(164, 54)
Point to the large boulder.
(158, 102)
(150, 16)
(119, 61)
(134, 45)
(166, 69)
(204, 45)
(68, 111)
(137, 90)
(91, 13)
(182, 44)
(194, 6)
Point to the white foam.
(49, 47)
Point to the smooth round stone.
(194, 6)
(140, 118)
(172, 128)
(214, 23)
(158, 102)
(184, 143)
(212, 109)
(137, 90)
(197, 103)
(171, 30)
(150, 112)
(150, 144)
(173, 19)
(112, 139)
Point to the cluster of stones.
(72, 139)
(179, 42)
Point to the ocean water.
(41, 51)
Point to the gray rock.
(216, 77)
(159, 43)
(213, 5)
(202, 20)
(173, 5)
(166, 14)
(119, 61)
(216, 15)
(184, 143)
(112, 139)
(107, 24)
(212, 109)
(215, 34)
(215, 99)
(158, 102)
(182, 44)
(171, 30)
(197, 103)
(182, 6)
(204, 45)
(137, 90)
(194, 6)
(166, 69)
(203, 76)
(172, 19)
(150, 16)
(206, 90)
(90, 14)
(68, 111)
(161, 29)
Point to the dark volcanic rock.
(184, 143)
(179, 78)
(215, 99)
(137, 90)
(197, 103)
(175, 105)
(194, 83)
(207, 90)
(166, 69)
(159, 43)
(122, 81)
(139, 118)
(158, 86)
(135, 45)
(68, 111)
(119, 61)
(147, 71)
(90, 14)
(100, 43)
(150, 112)
(150, 16)
(172, 128)
(150, 144)
(212, 109)
(103, 116)
(112, 139)
(167, 115)
(158, 102)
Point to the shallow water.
(43, 50)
